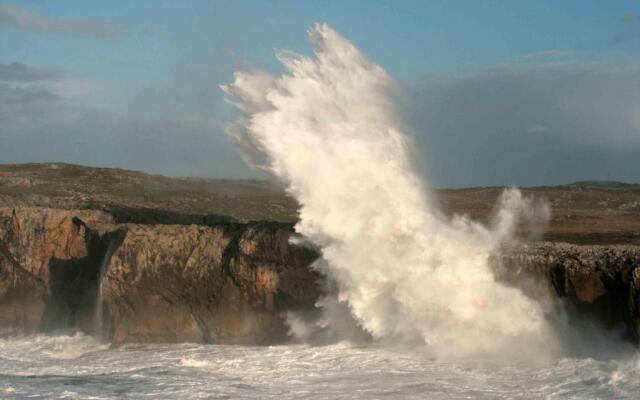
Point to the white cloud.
(31, 22)
(547, 55)
(18, 72)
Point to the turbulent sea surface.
(79, 367)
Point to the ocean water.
(80, 367)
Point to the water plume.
(328, 128)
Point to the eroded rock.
(225, 283)
(229, 282)
(43, 254)
(594, 281)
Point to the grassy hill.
(74, 186)
(593, 212)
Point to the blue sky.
(143, 76)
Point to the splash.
(328, 128)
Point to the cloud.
(547, 55)
(530, 125)
(27, 21)
(18, 72)
(628, 24)
(38, 125)
(48, 79)
(519, 124)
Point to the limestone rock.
(166, 278)
(594, 281)
(225, 282)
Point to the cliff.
(134, 257)
(229, 282)
(598, 283)
(225, 283)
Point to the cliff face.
(227, 282)
(596, 282)
(223, 284)
(47, 266)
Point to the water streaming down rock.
(328, 128)
(226, 283)
(101, 324)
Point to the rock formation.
(224, 283)
(146, 278)
(595, 282)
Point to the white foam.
(61, 347)
(328, 129)
(193, 363)
(343, 371)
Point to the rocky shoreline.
(151, 276)
(224, 283)
(595, 283)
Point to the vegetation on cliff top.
(583, 212)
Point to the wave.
(329, 129)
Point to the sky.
(500, 92)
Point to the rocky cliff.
(224, 283)
(599, 283)
(143, 277)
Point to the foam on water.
(64, 347)
(30, 366)
(192, 362)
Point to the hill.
(583, 212)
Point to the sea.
(76, 366)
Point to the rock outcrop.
(225, 284)
(222, 282)
(146, 278)
(48, 266)
(595, 282)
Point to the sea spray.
(328, 129)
